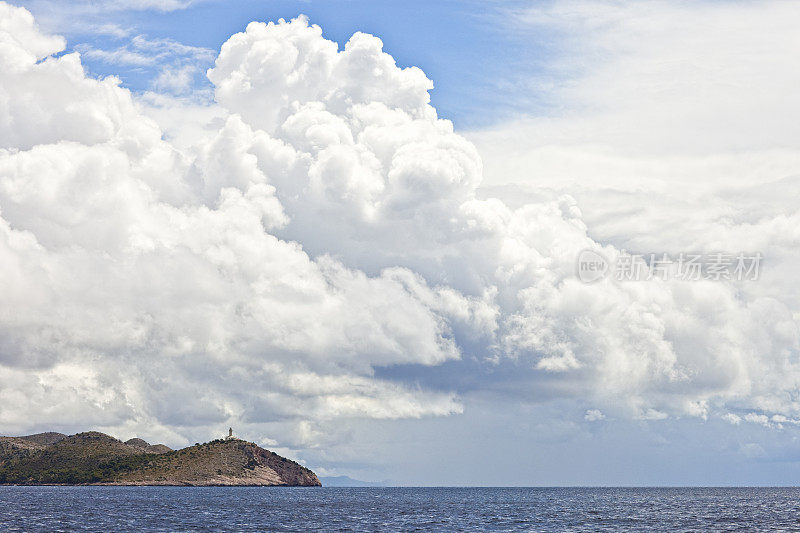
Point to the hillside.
(45, 439)
(144, 446)
(96, 458)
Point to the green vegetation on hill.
(88, 458)
(83, 458)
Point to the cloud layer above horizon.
(270, 266)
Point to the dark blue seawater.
(398, 509)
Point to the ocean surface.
(397, 509)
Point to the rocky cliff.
(96, 458)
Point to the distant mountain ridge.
(346, 481)
(45, 439)
(97, 458)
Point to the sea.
(397, 509)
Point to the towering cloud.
(141, 285)
(327, 231)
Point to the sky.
(475, 79)
(358, 235)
